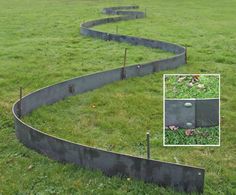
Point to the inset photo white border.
(164, 92)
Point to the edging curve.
(179, 177)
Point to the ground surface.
(40, 45)
(198, 136)
(188, 86)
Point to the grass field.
(178, 87)
(40, 45)
(200, 136)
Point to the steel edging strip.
(179, 177)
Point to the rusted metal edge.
(178, 177)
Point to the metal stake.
(123, 68)
(125, 57)
(116, 29)
(20, 102)
(148, 145)
(145, 13)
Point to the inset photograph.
(191, 110)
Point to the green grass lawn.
(183, 86)
(200, 136)
(40, 45)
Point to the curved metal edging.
(179, 177)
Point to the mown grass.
(41, 45)
(201, 136)
(178, 89)
(111, 115)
